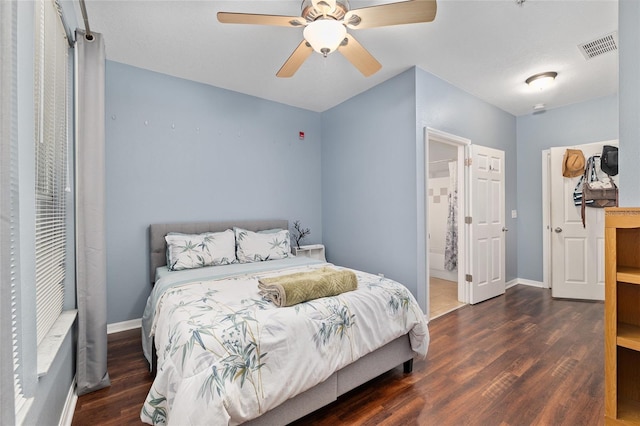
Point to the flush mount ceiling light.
(541, 80)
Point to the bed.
(224, 354)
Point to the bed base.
(348, 378)
(353, 375)
(407, 366)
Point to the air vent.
(599, 46)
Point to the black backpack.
(609, 160)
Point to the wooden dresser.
(622, 316)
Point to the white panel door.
(487, 231)
(577, 253)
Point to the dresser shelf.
(628, 413)
(622, 316)
(628, 336)
(628, 274)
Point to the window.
(51, 184)
(33, 196)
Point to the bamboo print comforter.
(226, 356)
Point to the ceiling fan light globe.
(325, 35)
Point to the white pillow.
(187, 251)
(256, 247)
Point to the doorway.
(478, 265)
(445, 207)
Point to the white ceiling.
(485, 47)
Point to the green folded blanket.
(291, 289)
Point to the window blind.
(9, 330)
(50, 91)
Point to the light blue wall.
(586, 122)
(368, 181)
(629, 89)
(446, 108)
(373, 168)
(180, 151)
(53, 388)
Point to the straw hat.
(573, 163)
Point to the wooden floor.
(518, 359)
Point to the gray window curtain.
(91, 258)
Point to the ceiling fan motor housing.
(311, 13)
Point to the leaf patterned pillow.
(257, 247)
(188, 251)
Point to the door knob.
(505, 229)
(558, 230)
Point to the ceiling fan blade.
(296, 59)
(359, 56)
(406, 12)
(252, 18)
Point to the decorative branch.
(299, 232)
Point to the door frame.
(546, 219)
(434, 135)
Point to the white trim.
(444, 275)
(69, 408)
(23, 410)
(525, 281)
(50, 345)
(444, 137)
(546, 219)
(435, 135)
(124, 325)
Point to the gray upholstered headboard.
(157, 232)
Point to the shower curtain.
(451, 243)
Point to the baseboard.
(524, 281)
(124, 325)
(66, 418)
(444, 275)
(511, 283)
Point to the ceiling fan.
(325, 25)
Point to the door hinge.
(468, 162)
(468, 277)
(468, 220)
